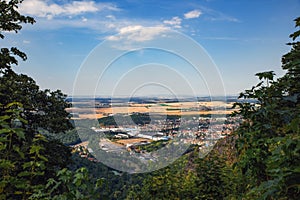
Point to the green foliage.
(42, 109)
(69, 138)
(190, 177)
(22, 165)
(75, 185)
(265, 163)
(39, 105)
(32, 167)
(11, 20)
(268, 139)
(212, 178)
(153, 146)
(266, 158)
(136, 118)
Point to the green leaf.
(4, 117)
(28, 164)
(7, 164)
(17, 149)
(5, 130)
(20, 133)
(43, 158)
(3, 139)
(24, 174)
(2, 146)
(35, 149)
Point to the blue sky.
(241, 37)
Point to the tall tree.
(29, 162)
(11, 20)
(269, 143)
(43, 109)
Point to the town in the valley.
(143, 126)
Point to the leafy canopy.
(268, 139)
(31, 166)
(42, 109)
(11, 20)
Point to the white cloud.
(138, 33)
(111, 26)
(26, 41)
(192, 14)
(110, 17)
(95, 25)
(224, 18)
(215, 15)
(84, 19)
(175, 22)
(42, 8)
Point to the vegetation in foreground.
(259, 161)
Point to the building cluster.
(200, 131)
(189, 130)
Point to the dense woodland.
(260, 160)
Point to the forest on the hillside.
(260, 160)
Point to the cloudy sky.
(240, 37)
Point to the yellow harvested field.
(131, 141)
(180, 108)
